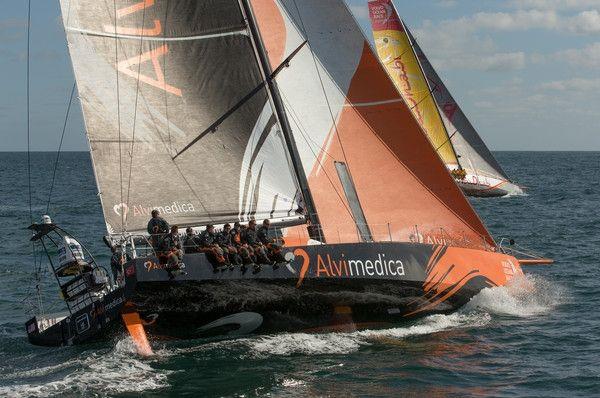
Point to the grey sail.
(465, 139)
(176, 112)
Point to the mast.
(412, 48)
(281, 115)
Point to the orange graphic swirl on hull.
(305, 265)
(451, 268)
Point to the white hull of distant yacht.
(482, 186)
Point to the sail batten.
(234, 32)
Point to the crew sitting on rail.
(273, 248)
(191, 243)
(225, 240)
(244, 250)
(172, 250)
(251, 238)
(209, 245)
(157, 228)
(236, 234)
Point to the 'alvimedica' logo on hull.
(122, 209)
(342, 266)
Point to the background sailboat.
(470, 161)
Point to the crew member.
(273, 249)
(172, 249)
(236, 234)
(117, 260)
(226, 242)
(244, 250)
(190, 241)
(209, 245)
(157, 228)
(251, 238)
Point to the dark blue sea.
(507, 342)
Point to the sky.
(525, 72)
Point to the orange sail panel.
(396, 53)
(343, 107)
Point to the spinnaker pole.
(267, 71)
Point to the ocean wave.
(345, 343)
(524, 296)
(306, 344)
(515, 194)
(100, 373)
(120, 370)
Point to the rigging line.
(165, 79)
(306, 138)
(303, 129)
(333, 118)
(449, 139)
(137, 91)
(119, 113)
(431, 90)
(166, 148)
(28, 112)
(62, 136)
(161, 137)
(428, 95)
(213, 127)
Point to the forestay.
(176, 113)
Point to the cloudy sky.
(526, 72)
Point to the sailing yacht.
(216, 111)
(453, 136)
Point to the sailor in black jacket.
(157, 228)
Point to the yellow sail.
(395, 52)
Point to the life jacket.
(236, 236)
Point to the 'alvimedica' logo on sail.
(122, 209)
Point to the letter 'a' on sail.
(343, 108)
(177, 113)
(396, 54)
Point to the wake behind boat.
(222, 111)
